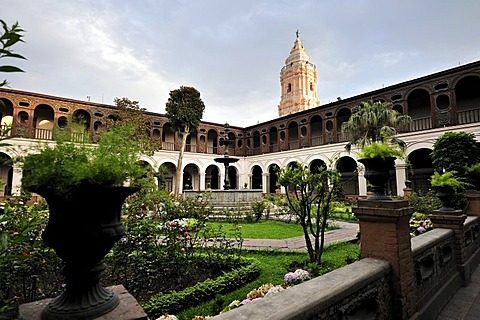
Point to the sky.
(232, 51)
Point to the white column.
(265, 176)
(362, 182)
(17, 180)
(202, 180)
(401, 175)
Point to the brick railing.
(398, 277)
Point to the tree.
(454, 151)
(310, 197)
(184, 111)
(374, 122)
(129, 111)
(8, 38)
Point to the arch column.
(401, 175)
(362, 182)
(265, 176)
(17, 180)
(249, 180)
(202, 180)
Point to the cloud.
(233, 51)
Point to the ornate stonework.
(298, 79)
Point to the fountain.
(226, 160)
(227, 198)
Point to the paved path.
(465, 305)
(347, 231)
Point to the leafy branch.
(8, 38)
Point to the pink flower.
(173, 224)
(188, 238)
(246, 301)
(183, 249)
(24, 254)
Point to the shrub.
(453, 151)
(258, 207)
(28, 270)
(382, 150)
(424, 204)
(176, 301)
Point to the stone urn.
(82, 228)
(377, 173)
(445, 194)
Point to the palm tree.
(374, 122)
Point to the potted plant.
(373, 128)
(378, 158)
(445, 185)
(84, 188)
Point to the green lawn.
(273, 267)
(264, 229)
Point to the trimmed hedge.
(176, 301)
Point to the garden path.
(347, 231)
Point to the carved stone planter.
(377, 173)
(445, 194)
(82, 229)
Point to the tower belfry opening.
(298, 80)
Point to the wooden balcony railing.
(293, 144)
(421, 124)
(316, 141)
(170, 146)
(469, 116)
(472, 115)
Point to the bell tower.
(298, 79)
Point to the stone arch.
(212, 177)
(6, 113)
(256, 142)
(467, 98)
(293, 139)
(421, 168)
(233, 177)
(212, 141)
(168, 137)
(191, 177)
(419, 109)
(43, 122)
(82, 118)
(169, 175)
(347, 167)
(343, 115)
(6, 174)
(316, 130)
(316, 165)
(273, 139)
(257, 173)
(272, 177)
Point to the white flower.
(273, 290)
(167, 317)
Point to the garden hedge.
(176, 301)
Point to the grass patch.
(274, 265)
(263, 229)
